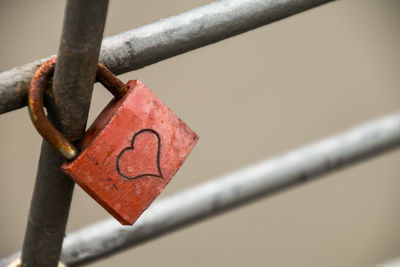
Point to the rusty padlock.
(131, 151)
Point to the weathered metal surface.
(72, 87)
(130, 153)
(110, 81)
(38, 116)
(36, 109)
(166, 38)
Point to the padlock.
(130, 152)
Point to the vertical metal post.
(72, 88)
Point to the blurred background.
(249, 98)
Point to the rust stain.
(36, 110)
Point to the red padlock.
(131, 151)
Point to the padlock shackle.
(36, 108)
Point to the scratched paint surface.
(130, 153)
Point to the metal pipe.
(232, 190)
(166, 38)
(72, 88)
(235, 189)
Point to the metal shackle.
(36, 109)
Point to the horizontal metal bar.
(259, 180)
(166, 38)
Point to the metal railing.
(166, 38)
(138, 48)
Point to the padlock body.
(130, 153)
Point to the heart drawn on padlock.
(142, 157)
